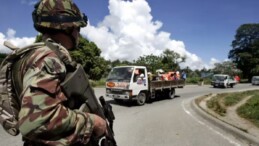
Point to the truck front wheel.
(171, 93)
(141, 98)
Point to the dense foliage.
(171, 60)
(245, 51)
(89, 55)
(168, 61)
(152, 62)
(226, 67)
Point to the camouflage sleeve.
(42, 116)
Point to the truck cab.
(127, 82)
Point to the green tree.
(38, 38)
(88, 54)
(152, 62)
(188, 71)
(245, 49)
(117, 62)
(170, 60)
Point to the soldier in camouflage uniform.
(44, 119)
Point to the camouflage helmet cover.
(57, 14)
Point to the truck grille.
(116, 91)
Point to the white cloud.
(10, 33)
(129, 31)
(227, 59)
(17, 41)
(212, 62)
(29, 2)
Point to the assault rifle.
(77, 85)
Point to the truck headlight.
(129, 93)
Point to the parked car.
(223, 80)
(255, 80)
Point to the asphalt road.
(166, 122)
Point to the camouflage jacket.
(43, 118)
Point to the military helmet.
(58, 15)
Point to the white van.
(255, 80)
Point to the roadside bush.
(244, 81)
(197, 80)
(194, 80)
(207, 81)
(99, 83)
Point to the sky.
(200, 30)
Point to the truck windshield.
(121, 74)
(219, 78)
(256, 78)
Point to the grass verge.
(250, 110)
(220, 102)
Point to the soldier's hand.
(99, 126)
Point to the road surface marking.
(210, 128)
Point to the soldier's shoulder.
(39, 53)
(44, 56)
(43, 50)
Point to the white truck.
(223, 80)
(132, 83)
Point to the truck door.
(139, 80)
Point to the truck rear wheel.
(141, 98)
(171, 93)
